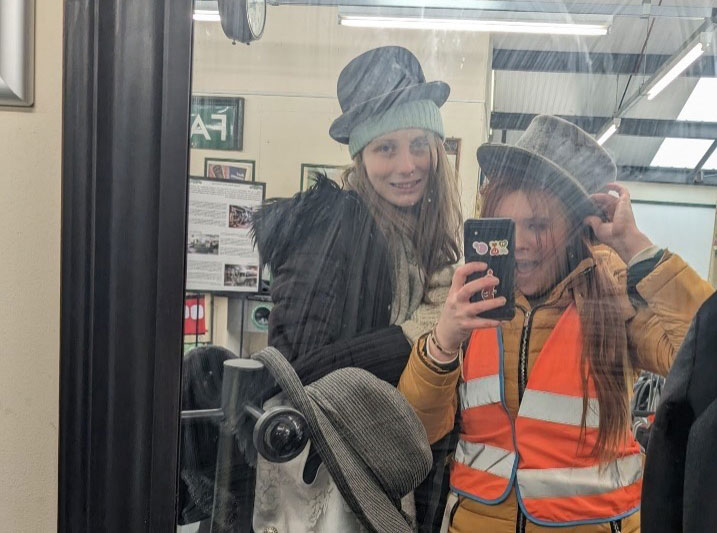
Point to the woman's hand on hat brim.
(460, 316)
(619, 231)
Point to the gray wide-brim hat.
(368, 436)
(559, 156)
(379, 81)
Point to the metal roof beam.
(697, 172)
(679, 176)
(639, 127)
(593, 63)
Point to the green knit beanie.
(420, 114)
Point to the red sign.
(194, 323)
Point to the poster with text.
(220, 254)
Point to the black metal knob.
(280, 433)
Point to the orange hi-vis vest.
(545, 452)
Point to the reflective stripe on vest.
(491, 459)
(479, 392)
(559, 482)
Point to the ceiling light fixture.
(608, 131)
(475, 25)
(206, 15)
(472, 20)
(679, 63)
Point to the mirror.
(353, 270)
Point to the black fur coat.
(331, 284)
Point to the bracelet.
(442, 365)
(450, 353)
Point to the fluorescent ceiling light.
(693, 49)
(608, 132)
(472, 20)
(206, 15)
(690, 57)
(475, 25)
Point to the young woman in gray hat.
(360, 271)
(545, 422)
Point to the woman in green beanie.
(360, 271)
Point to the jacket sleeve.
(673, 292)
(433, 395)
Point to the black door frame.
(126, 95)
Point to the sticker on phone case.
(480, 247)
(499, 247)
(488, 294)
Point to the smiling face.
(542, 234)
(398, 165)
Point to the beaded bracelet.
(450, 353)
(438, 364)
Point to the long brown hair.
(433, 224)
(605, 355)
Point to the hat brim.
(500, 161)
(437, 91)
(358, 485)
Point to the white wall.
(289, 76)
(30, 288)
(664, 192)
(681, 194)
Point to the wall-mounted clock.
(243, 20)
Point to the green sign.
(217, 123)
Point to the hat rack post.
(278, 434)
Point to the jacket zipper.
(523, 356)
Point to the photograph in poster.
(220, 253)
(229, 169)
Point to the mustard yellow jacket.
(673, 292)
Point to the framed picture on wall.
(229, 169)
(217, 123)
(309, 171)
(17, 68)
(453, 151)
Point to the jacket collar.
(561, 295)
(573, 287)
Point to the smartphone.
(492, 241)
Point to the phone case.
(492, 241)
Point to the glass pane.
(503, 216)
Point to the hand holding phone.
(459, 316)
(492, 241)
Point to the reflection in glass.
(355, 261)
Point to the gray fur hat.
(565, 159)
(366, 434)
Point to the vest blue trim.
(545, 523)
(511, 481)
